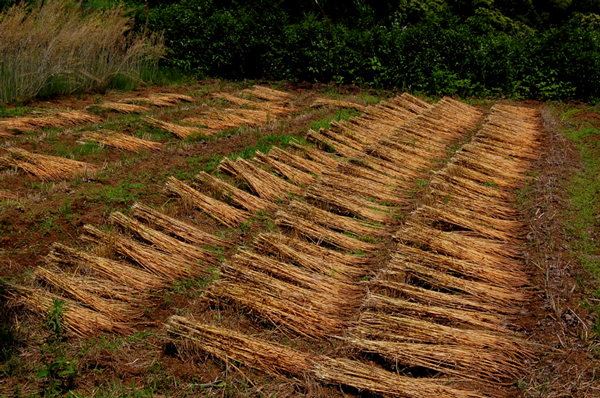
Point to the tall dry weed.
(57, 48)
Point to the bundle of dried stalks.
(452, 265)
(411, 157)
(460, 197)
(482, 178)
(321, 102)
(312, 257)
(316, 155)
(178, 130)
(335, 221)
(342, 139)
(192, 254)
(276, 359)
(397, 306)
(452, 218)
(176, 227)
(498, 254)
(77, 289)
(331, 146)
(413, 104)
(220, 211)
(321, 234)
(355, 169)
(64, 119)
(43, 166)
(268, 93)
(253, 117)
(391, 288)
(163, 265)
(81, 321)
(274, 107)
(364, 187)
(5, 133)
(168, 99)
(119, 107)
(384, 327)
(475, 187)
(227, 345)
(296, 161)
(355, 131)
(296, 312)
(294, 175)
(463, 361)
(262, 183)
(388, 168)
(333, 257)
(116, 271)
(230, 194)
(122, 141)
(346, 203)
(367, 377)
(401, 268)
(346, 294)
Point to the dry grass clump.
(163, 265)
(321, 140)
(320, 234)
(60, 47)
(364, 187)
(176, 227)
(192, 254)
(220, 211)
(321, 102)
(178, 130)
(121, 141)
(316, 155)
(79, 320)
(119, 107)
(262, 183)
(294, 175)
(230, 194)
(116, 271)
(44, 167)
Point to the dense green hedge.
(516, 48)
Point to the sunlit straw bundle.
(230, 194)
(327, 160)
(117, 271)
(268, 93)
(364, 187)
(274, 107)
(294, 175)
(78, 289)
(334, 221)
(163, 265)
(262, 183)
(45, 167)
(166, 243)
(79, 320)
(176, 227)
(63, 119)
(177, 129)
(321, 102)
(119, 107)
(346, 203)
(321, 234)
(121, 141)
(300, 163)
(220, 211)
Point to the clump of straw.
(178, 130)
(121, 141)
(43, 166)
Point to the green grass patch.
(343, 114)
(583, 214)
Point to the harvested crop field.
(287, 240)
